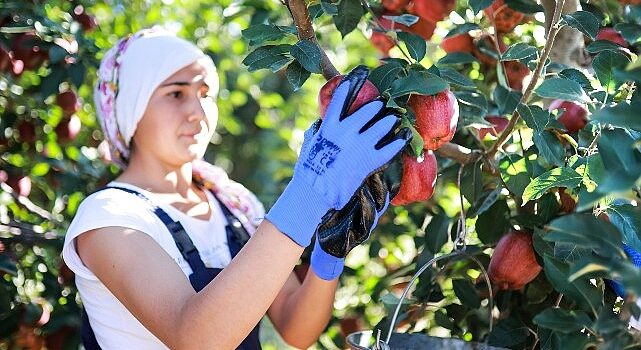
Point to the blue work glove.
(340, 156)
(341, 238)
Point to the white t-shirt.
(114, 326)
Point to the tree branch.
(554, 30)
(29, 205)
(300, 15)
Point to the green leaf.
(483, 203)
(507, 100)
(329, 7)
(558, 177)
(603, 45)
(605, 63)
(621, 159)
(384, 75)
(493, 222)
(308, 55)
(627, 218)
(404, 19)
(436, 232)
(535, 117)
(622, 115)
(419, 82)
(260, 33)
(274, 57)
(578, 76)
(7, 265)
(478, 5)
(631, 32)
(416, 45)
(526, 6)
(463, 28)
(586, 231)
(416, 145)
(509, 333)
(77, 73)
(466, 292)
(348, 16)
(457, 58)
(562, 88)
(40, 169)
(549, 147)
(454, 77)
(564, 321)
(472, 99)
(296, 75)
(584, 21)
(515, 174)
(586, 295)
(519, 51)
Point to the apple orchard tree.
(525, 161)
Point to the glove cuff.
(325, 265)
(298, 212)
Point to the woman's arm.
(301, 312)
(155, 290)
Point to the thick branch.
(29, 205)
(300, 15)
(554, 30)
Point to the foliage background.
(262, 118)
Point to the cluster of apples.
(436, 121)
(429, 12)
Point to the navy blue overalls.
(237, 236)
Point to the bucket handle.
(382, 345)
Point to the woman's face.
(180, 118)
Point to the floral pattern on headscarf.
(236, 197)
(106, 93)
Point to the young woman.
(157, 253)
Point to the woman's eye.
(176, 94)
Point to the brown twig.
(554, 29)
(29, 205)
(300, 15)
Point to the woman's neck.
(157, 177)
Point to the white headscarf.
(129, 74)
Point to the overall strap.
(178, 233)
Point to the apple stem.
(554, 30)
(300, 15)
(380, 27)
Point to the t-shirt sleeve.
(110, 207)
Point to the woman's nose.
(197, 111)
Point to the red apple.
(458, 43)
(367, 93)
(395, 5)
(68, 101)
(68, 128)
(87, 21)
(568, 204)
(21, 185)
(513, 263)
(631, 2)
(516, 73)
(26, 48)
(575, 116)
(424, 28)
(503, 17)
(26, 131)
(436, 117)
(433, 10)
(498, 125)
(485, 44)
(382, 42)
(419, 179)
(612, 35)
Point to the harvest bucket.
(367, 340)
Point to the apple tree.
(525, 162)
